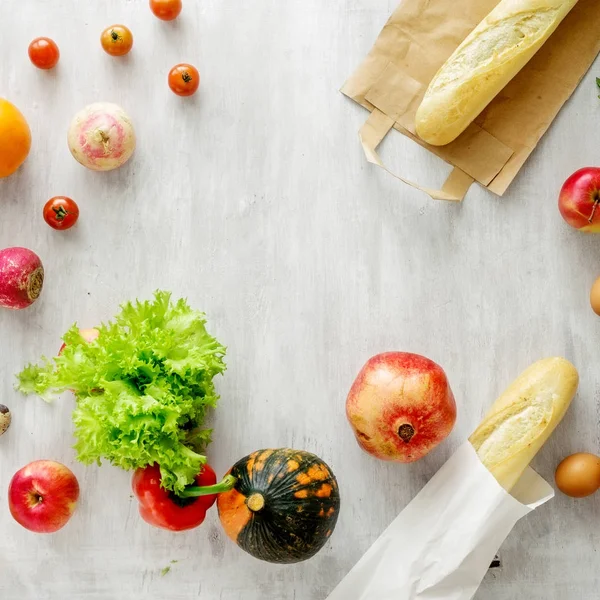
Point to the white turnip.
(21, 277)
(101, 137)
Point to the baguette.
(493, 53)
(523, 417)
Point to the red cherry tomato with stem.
(162, 508)
(166, 10)
(184, 79)
(61, 212)
(44, 53)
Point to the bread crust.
(493, 53)
(523, 417)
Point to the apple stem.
(406, 432)
(596, 202)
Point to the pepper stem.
(206, 490)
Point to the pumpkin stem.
(256, 502)
(223, 486)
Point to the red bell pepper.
(162, 508)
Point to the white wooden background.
(253, 199)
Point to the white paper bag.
(441, 545)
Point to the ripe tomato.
(43, 53)
(167, 10)
(61, 212)
(116, 40)
(184, 79)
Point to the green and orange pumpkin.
(283, 507)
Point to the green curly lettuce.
(142, 387)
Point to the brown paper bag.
(418, 39)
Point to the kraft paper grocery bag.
(413, 45)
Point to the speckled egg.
(5, 418)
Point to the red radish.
(21, 277)
(101, 137)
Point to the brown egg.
(595, 296)
(578, 475)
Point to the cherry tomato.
(184, 79)
(61, 212)
(44, 53)
(167, 10)
(116, 40)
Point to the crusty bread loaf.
(493, 53)
(523, 417)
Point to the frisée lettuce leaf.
(142, 388)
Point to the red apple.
(579, 200)
(42, 496)
(89, 335)
(400, 406)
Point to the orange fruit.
(15, 138)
